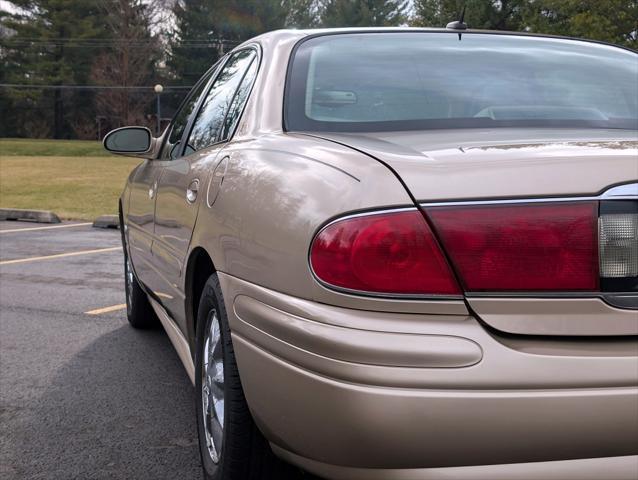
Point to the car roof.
(286, 34)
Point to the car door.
(185, 177)
(141, 218)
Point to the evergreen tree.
(363, 13)
(302, 13)
(480, 14)
(47, 43)
(242, 19)
(205, 29)
(10, 124)
(192, 50)
(614, 21)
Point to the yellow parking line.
(113, 308)
(31, 229)
(59, 255)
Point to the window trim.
(252, 46)
(409, 124)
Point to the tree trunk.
(58, 105)
(58, 114)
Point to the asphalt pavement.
(83, 395)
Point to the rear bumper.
(610, 468)
(355, 394)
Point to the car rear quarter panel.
(278, 190)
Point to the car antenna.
(458, 24)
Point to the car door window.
(171, 149)
(209, 123)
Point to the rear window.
(419, 80)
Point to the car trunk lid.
(531, 169)
(441, 165)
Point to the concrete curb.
(39, 216)
(107, 221)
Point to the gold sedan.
(398, 254)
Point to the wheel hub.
(128, 274)
(213, 388)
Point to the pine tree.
(205, 29)
(614, 21)
(192, 50)
(47, 43)
(363, 13)
(480, 14)
(301, 13)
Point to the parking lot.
(83, 395)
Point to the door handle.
(191, 191)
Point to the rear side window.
(412, 80)
(236, 108)
(209, 123)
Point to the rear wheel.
(139, 312)
(230, 444)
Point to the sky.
(6, 6)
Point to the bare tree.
(130, 63)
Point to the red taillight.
(382, 253)
(530, 247)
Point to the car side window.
(171, 149)
(209, 123)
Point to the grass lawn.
(51, 148)
(75, 179)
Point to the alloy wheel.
(128, 278)
(213, 387)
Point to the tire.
(239, 452)
(139, 312)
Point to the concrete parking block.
(39, 216)
(107, 221)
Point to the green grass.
(51, 148)
(74, 187)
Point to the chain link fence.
(85, 112)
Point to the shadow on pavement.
(122, 408)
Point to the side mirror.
(132, 141)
